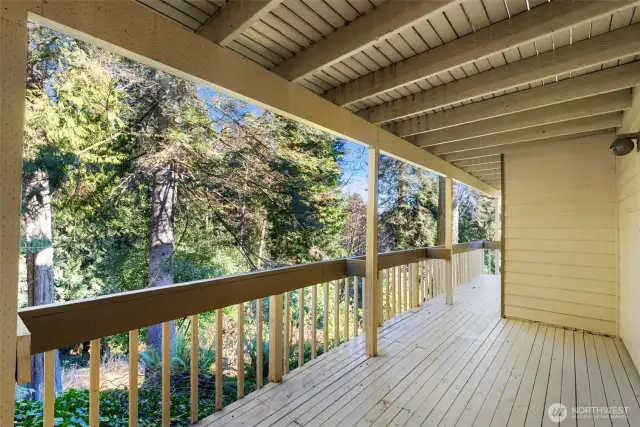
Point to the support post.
(275, 338)
(448, 240)
(13, 51)
(372, 288)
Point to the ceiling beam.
(480, 153)
(479, 161)
(390, 18)
(545, 20)
(482, 167)
(483, 176)
(131, 29)
(609, 80)
(578, 109)
(631, 119)
(609, 46)
(234, 18)
(604, 121)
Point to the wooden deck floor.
(452, 366)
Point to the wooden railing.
(406, 279)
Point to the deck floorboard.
(451, 366)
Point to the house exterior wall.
(561, 264)
(628, 186)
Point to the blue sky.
(353, 165)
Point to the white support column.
(13, 54)
(448, 240)
(496, 253)
(372, 288)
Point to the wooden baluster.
(405, 296)
(240, 349)
(275, 338)
(420, 282)
(195, 350)
(379, 302)
(413, 271)
(400, 289)
(133, 380)
(409, 286)
(94, 383)
(314, 320)
(416, 286)
(219, 374)
(432, 282)
(325, 317)
(427, 280)
(385, 294)
(394, 273)
(424, 276)
(336, 312)
(363, 300)
(166, 374)
(49, 397)
(455, 270)
(300, 327)
(259, 355)
(346, 309)
(287, 330)
(355, 306)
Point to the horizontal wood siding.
(628, 174)
(561, 219)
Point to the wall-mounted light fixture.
(623, 146)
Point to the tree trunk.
(455, 213)
(161, 252)
(40, 279)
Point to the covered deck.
(460, 365)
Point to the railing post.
(275, 338)
(448, 241)
(371, 284)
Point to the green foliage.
(72, 408)
(408, 206)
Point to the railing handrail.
(59, 325)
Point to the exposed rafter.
(604, 121)
(610, 46)
(234, 18)
(581, 108)
(388, 19)
(592, 84)
(631, 120)
(480, 153)
(544, 20)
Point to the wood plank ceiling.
(465, 80)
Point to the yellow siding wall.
(561, 234)
(628, 170)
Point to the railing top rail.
(59, 325)
(460, 248)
